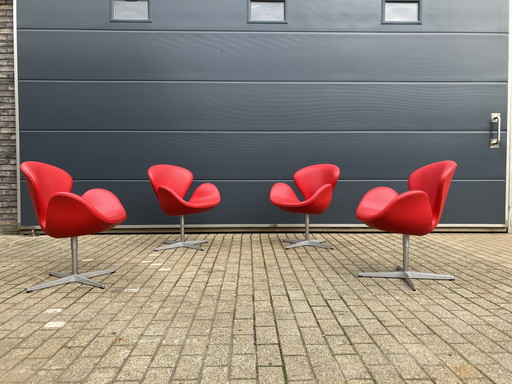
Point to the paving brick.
(243, 344)
(166, 356)
(298, 368)
(247, 311)
(243, 366)
(215, 375)
(134, 368)
(352, 367)
(271, 375)
(218, 355)
(188, 368)
(157, 375)
(269, 355)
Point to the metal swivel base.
(407, 276)
(65, 278)
(177, 244)
(302, 243)
(182, 242)
(307, 241)
(404, 273)
(74, 276)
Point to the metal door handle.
(496, 118)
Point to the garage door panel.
(247, 104)
(263, 155)
(206, 106)
(156, 55)
(445, 15)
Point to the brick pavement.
(247, 311)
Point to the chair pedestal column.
(182, 242)
(403, 272)
(302, 243)
(74, 276)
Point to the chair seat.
(204, 198)
(72, 215)
(283, 196)
(407, 213)
(374, 202)
(106, 203)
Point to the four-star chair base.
(182, 242)
(302, 243)
(404, 273)
(178, 244)
(307, 241)
(74, 276)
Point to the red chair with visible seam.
(62, 213)
(170, 184)
(416, 212)
(316, 183)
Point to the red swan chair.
(416, 212)
(316, 183)
(170, 184)
(64, 214)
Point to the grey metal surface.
(364, 155)
(284, 106)
(307, 241)
(496, 119)
(182, 242)
(302, 15)
(403, 272)
(74, 276)
(249, 56)
(246, 105)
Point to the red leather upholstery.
(315, 182)
(416, 212)
(62, 213)
(171, 183)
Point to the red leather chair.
(416, 212)
(64, 214)
(170, 184)
(316, 183)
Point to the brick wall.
(8, 195)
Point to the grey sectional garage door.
(244, 105)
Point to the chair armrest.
(107, 204)
(206, 195)
(282, 195)
(320, 200)
(170, 202)
(407, 213)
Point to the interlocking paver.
(271, 375)
(246, 310)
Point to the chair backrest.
(44, 181)
(310, 178)
(171, 176)
(434, 179)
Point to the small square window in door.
(401, 12)
(267, 11)
(130, 10)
